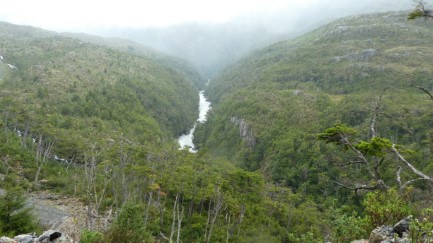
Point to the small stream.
(186, 139)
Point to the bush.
(421, 228)
(88, 236)
(386, 207)
(346, 228)
(15, 218)
(129, 226)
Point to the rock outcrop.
(245, 131)
(46, 237)
(399, 233)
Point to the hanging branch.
(423, 89)
(375, 114)
(414, 170)
(420, 12)
(407, 183)
(379, 185)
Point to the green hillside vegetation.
(294, 89)
(277, 158)
(269, 107)
(132, 48)
(68, 89)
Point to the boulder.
(49, 236)
(25, 238)
(380, 234)
(402, 226)
(5, 239)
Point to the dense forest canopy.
(320, 138)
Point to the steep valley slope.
(269, 106)
(74, 91)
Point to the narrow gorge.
(185, 140)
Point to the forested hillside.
(269, 108)
(66, 89)
(319, 138)
(286, 93)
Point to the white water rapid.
(186, 139)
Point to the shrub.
(15, 218)
(385, 207)
(89, 236)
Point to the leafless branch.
(414, 170)
(423, 89)
(351, 162)
(407, 183)
(379, 185)
(360, 155)
(426, 13)
(375, 114)
(399, 177)
(163, 236)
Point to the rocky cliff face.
(245, 131)
(399, 233)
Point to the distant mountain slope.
(344, 56)
(269, 106)
(76, 92)
(133, 48)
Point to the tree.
(420, 12)
(43, 153)
(15, 217)
(371, 154)
(129, 225)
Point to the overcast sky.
(66, 15)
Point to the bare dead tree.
(149, 201)
(421, 175)
(90, 173)
(376, 111)
(238, 222)
(173, 224)
(25, 135)
(218, 204)
(43, 153)
(420, 11)
(179, 221)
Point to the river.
(186, 139)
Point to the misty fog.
(212, 46)
(208, 34)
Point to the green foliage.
(421, 228)
(347, 227)
(375, 147)
(15, 217)
(75, 92)
(386, 207)
(417, 13)
(336, 133)
(309, 236)
(89, 236)
(121, 106)
(129, 226)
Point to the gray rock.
(5, 239)
(49, 236)
(245, 131)
(25, 238)
(402, 226)
(381, 234)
